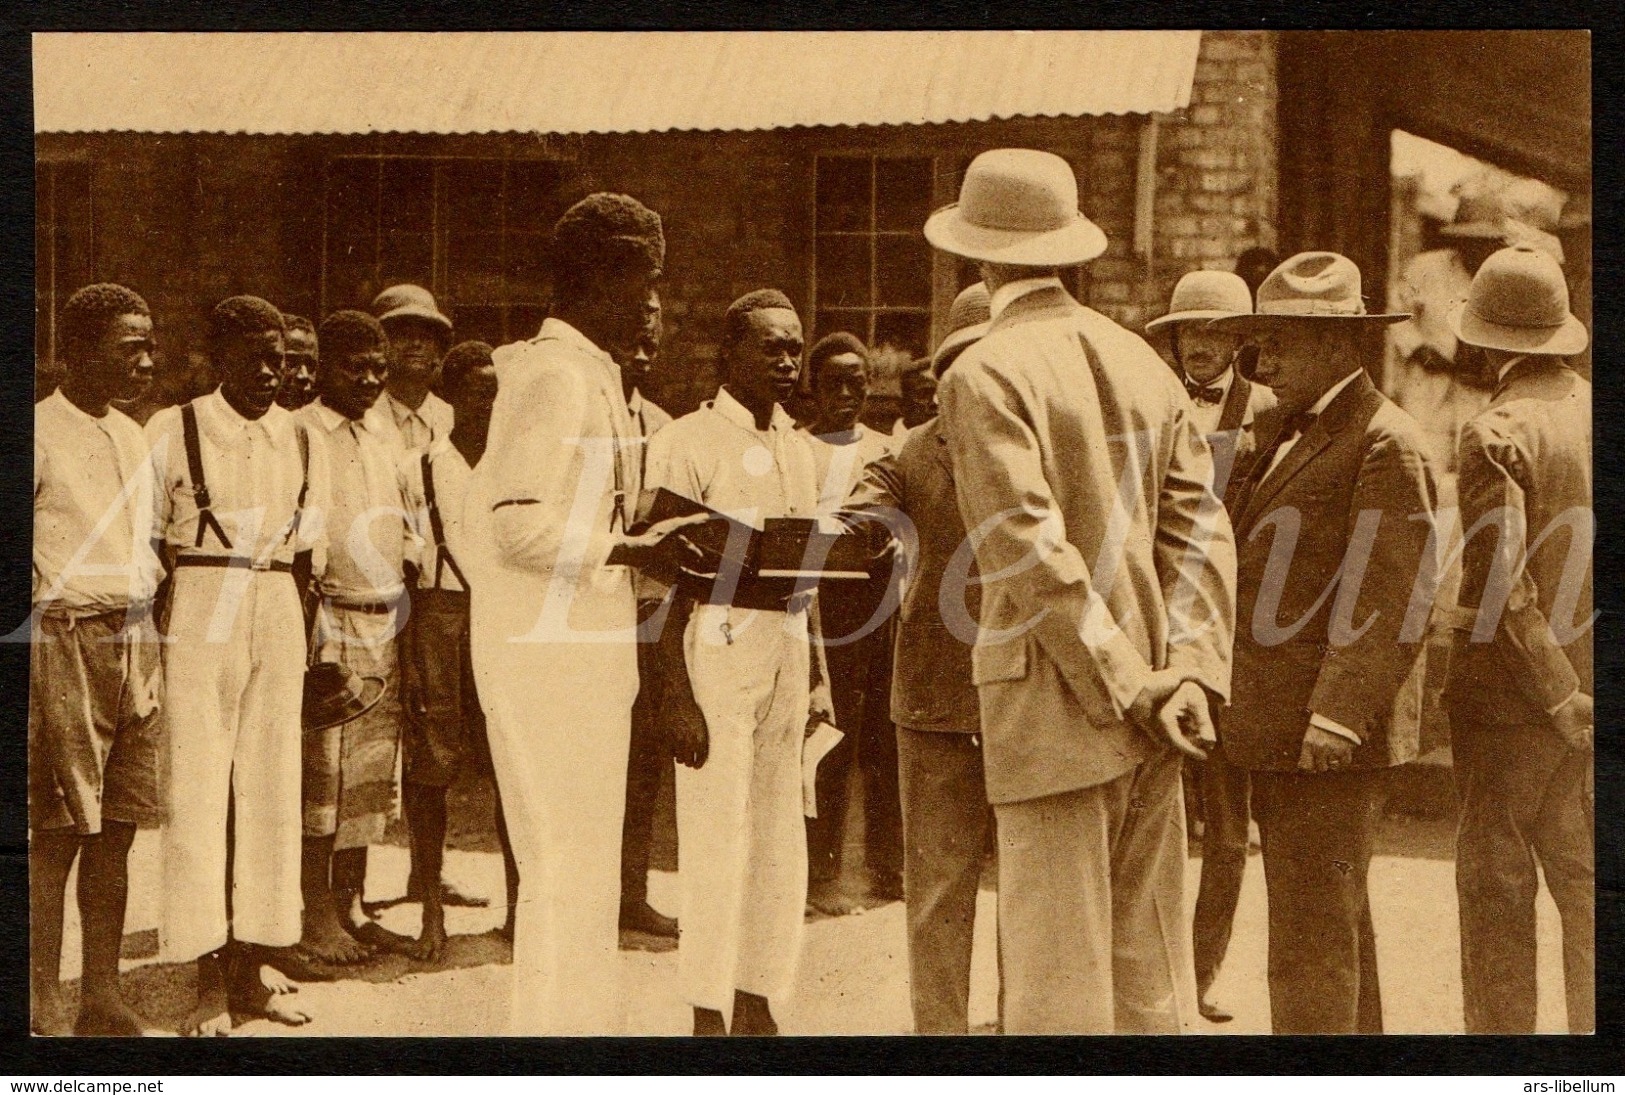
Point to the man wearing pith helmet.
(1226, 405)
(1091, 686)
(1520, 691)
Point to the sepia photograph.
(679, 533)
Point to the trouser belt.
(370, 608)
(238, 561)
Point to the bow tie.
(1205, 395)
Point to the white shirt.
(1317, 409)
(718, 457)
(369, 539)
(451, 472)
(408, 430)
(93, 496)
(253, 471)
(841, 459)
(1207, 417)
(1007, 294)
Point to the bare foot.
(106, 1015)
(282, 1009)
(431, 942)
(204, 1022)
(831, 901)
(325, 940)
(375, 937)
(251, 998)
(50, 1017)
(277, 982)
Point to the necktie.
(1204, 395)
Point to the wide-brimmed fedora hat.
(336, 694)
(1321, 286)
(969, 317)
(408, 302)
(1204, 295)
(1519, 303)
(1017, 206)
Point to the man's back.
(1073, 445)
(1530, 451)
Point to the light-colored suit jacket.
(1086, 489)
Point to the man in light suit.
(1328, 665)
(1225, 405)
(1521, 685)
(553, 612)
(1107, 599)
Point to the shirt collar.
(553, 327)
(1008, 293)
(1223, 382)
(635, 404)
(734, 411)
(63, 404)
(228, 427)
(1331, 393)
(329, 419)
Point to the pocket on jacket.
(1006, 661)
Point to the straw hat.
(1017, 206)
(968, 320)
(1519, 303)
(408, 302)
(1315, 285)
(1205, 294)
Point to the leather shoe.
(1211, 1010)
(644, 918)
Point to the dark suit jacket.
(1337, 539)
(1105, 553)
(1525, 474)
(1235, 442)
(931, 675)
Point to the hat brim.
(1269, 319)
(1568, 337)
(372, 690)
(417, 313)
(956, 343)
(1070, 245)
(1172, 318)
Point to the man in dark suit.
(946, 818)
(1225, 406)
(1325, 650)
(1107, 570)
(1520, 690)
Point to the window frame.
(48, 308)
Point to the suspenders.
(200, 488)
(437, 529)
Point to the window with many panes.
(64, 232)
(472, 231)
(872, 272)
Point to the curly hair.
(298, 323)
(837, 342)
(88, 313)
(758, 300)
(604, 232)
(236, 317)
(461, 360)
(349, 331)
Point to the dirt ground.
(854, 969)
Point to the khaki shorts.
(94, 734)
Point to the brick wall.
(1216, 180)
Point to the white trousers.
(741, 840)
(233, 684)
(559, 718)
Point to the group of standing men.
(1085, 603)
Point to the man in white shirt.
(741, 845)
(444, 728)
(349, 770)
(95, 681)
(553, 610)
(237, 498)
(409, 415)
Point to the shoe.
(642, 917)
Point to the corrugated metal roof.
(596, 82)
